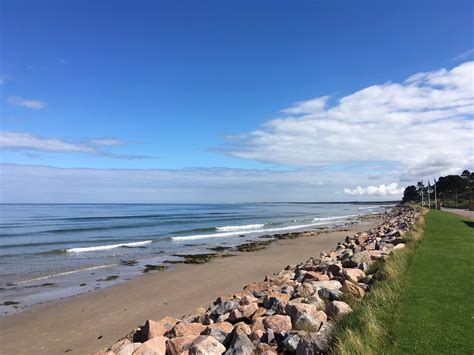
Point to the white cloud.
(464, 55)
(381, 190)
(105, 141)
(29, 142)
(424, 121)
(19, 101)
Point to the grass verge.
(369, 328)
(422, 303)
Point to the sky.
(235, 101)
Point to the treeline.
(451, 190)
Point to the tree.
(411, 194)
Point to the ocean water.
(50, 251)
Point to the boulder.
(217, 333)
(316, 276)
(224, 307)
(278, 323)
(337, 308)
(182, 329)
(272, 296)
(240, 345)
(332, 284)
(179, 345)
(329, 294)
(265, 349)
(206, 345)
(353, 274)
(248, 299)
(224, 326)
(242, 327)
(261, 311)
(316, 301)
(153, 328)
(361, 257)
(291, 342)
(399, 246)
(156, 346)
(115, 348)
(353, 289)
(128, 349)
(304, 316)
(242, 312)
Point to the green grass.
(436, 310)
(422, 302)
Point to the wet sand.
(90, 322)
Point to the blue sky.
(152, 87)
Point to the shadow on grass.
(469, 223)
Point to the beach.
(86, 323)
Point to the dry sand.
(89, 322)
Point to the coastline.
(89, 322)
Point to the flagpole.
(429, 200)
(422, 194)
(436, 198)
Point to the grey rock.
(328, 294)
(291, 342)
(240, 345)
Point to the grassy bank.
(436, 306)
(422, 302)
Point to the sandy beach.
(89, 322)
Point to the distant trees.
(411, 194)
(452, 190)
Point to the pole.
(436, 198)
(429, 201)
(422, 193)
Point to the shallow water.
(53, 250)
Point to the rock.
(265, 349)
(224, 326)
(248, 299)
(291, 342)
(334, 269)
(259, 313)
(354, 289)
(304, 316)
(240, 345)
(399, 246)
(179, 345)
(353, 274)
(242, 327)
(316, 276)
(361, 257)
(316, 301)
(328, 294)
(332, 284)
(206, 345)
(256, 336)
(156, 346)
(225, 307)
(272, 296)
(338, 308)
(242, 312)
(304, 290)
(257, 324)
(278, 323)
(128, 349)
(217, 333)
(153, 328)
(182, 329)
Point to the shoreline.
(92, 321)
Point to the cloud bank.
(28, 142)
(381, 190)
(423, 124)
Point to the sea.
(53, 251)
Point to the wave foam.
(39, 278)
(108, 247)
(240, 228)
(334, 218)
(231, 234)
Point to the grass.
(436, 313)
(422, 302)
